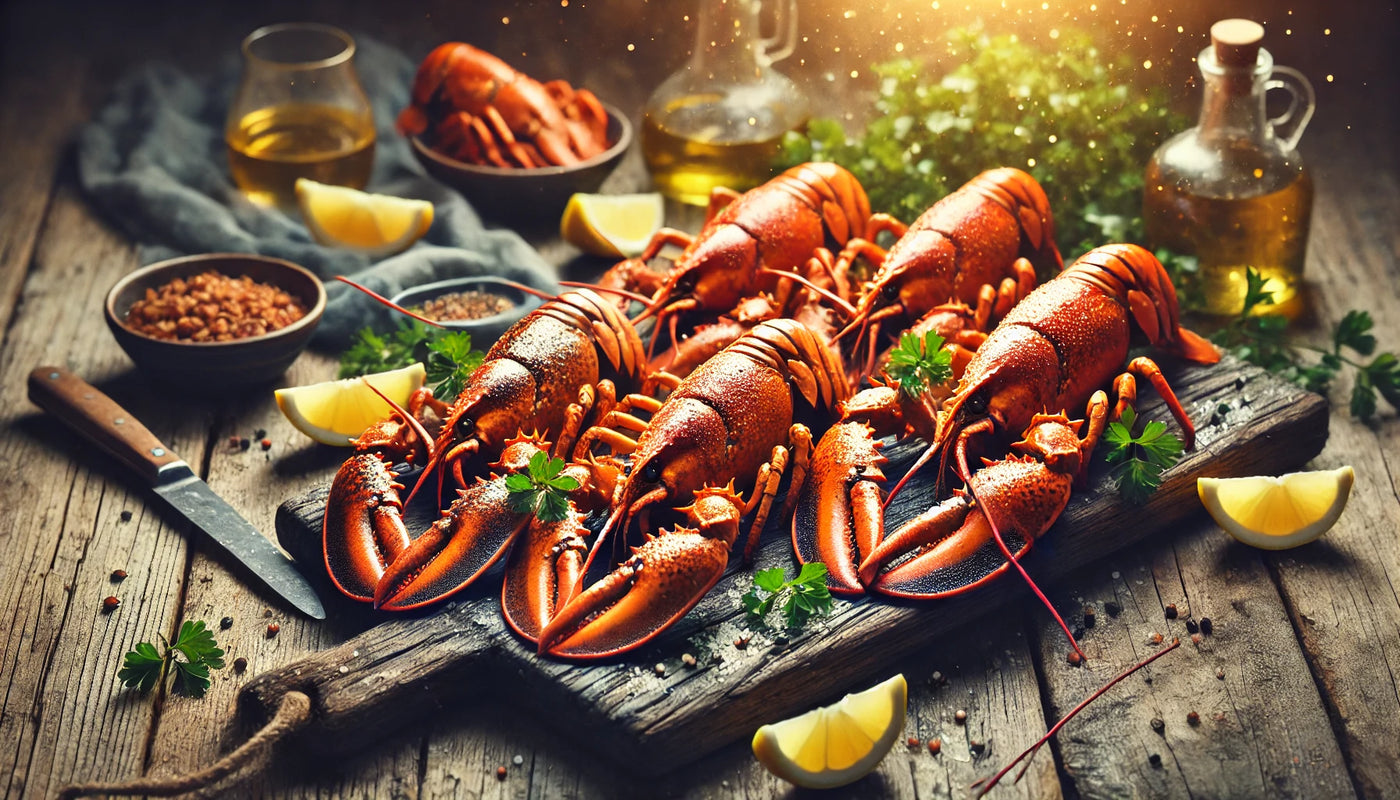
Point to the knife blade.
(105, 423)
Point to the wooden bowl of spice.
(217, 322)
(482, 305)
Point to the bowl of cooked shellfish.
(516, 148)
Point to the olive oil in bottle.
(1233, 191)
(690, 156)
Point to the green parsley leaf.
(541, 490)
(447, 356)
(143, 667)
(1139, 461)
(1352, 332)
(797, 599)
(919, 364)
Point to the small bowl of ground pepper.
(483, 306)
(217, 322)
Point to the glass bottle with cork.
(1233, 191)
(718, 121)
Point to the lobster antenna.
(390, 303)
(1006, 551)
(986, 785)
(825, 293)
(640, 298)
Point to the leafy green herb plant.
(1138, 460)
(192, 655)
(1078, 118)
(542, 489)
(446, 355)
(918, 365)
(1262, 339)
(797, 599)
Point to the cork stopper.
(1236, 42)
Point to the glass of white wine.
(299, 112)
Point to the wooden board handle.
(99, 419)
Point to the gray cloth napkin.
(154, 161)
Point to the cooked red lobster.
(473, 107)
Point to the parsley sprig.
(797, 599)
(541, 490)
(1139, 460)
(919, 364)
(1260, 338)
(192, 655)
(446, 355)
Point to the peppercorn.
(1112, 609)
(960, 716)
(1170, 611)
(659, 669)
(1191, 626)
(1155, 760)
(1073, 658)
(1193, 718)
(110, 603)
(976, 747)
(272, 629)
(935, 745)
(118, 574)
(1206, 626)
(244, 443)
(259, 433)
(688, 659)
(266, 444)
(1157, 725)
(126, 515)
(501, 772)
(226, 623)
(1220, 674)
(912, 742)
(1089, 616)
(240, 664)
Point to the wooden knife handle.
(99, 419)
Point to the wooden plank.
(1262, 728)
(1341, 592)
(666, 720)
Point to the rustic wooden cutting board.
(399, 669)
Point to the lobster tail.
(1022, 195)
(1134, 275)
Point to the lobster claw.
(838, 516)
(543, 573)
(467, 539)
(663, 579)
(657, 585)
(363, 528)
(952, 543)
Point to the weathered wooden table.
(1297, 689)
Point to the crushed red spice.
(272, 629)
(110, 603)
(213, 307)
(935, 745)
(471, 304)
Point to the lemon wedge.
(334, 412)
(836, 744)
(1277, 513)
(616, 225)
(375, 224)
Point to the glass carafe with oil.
(720, 119)
(299, 112)
(1233, 191)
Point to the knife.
(98, 418)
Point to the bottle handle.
(784, 39)
(1289, 125)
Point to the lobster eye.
(465, 426)
(651, 473)
(976, 405)
(889, 292)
